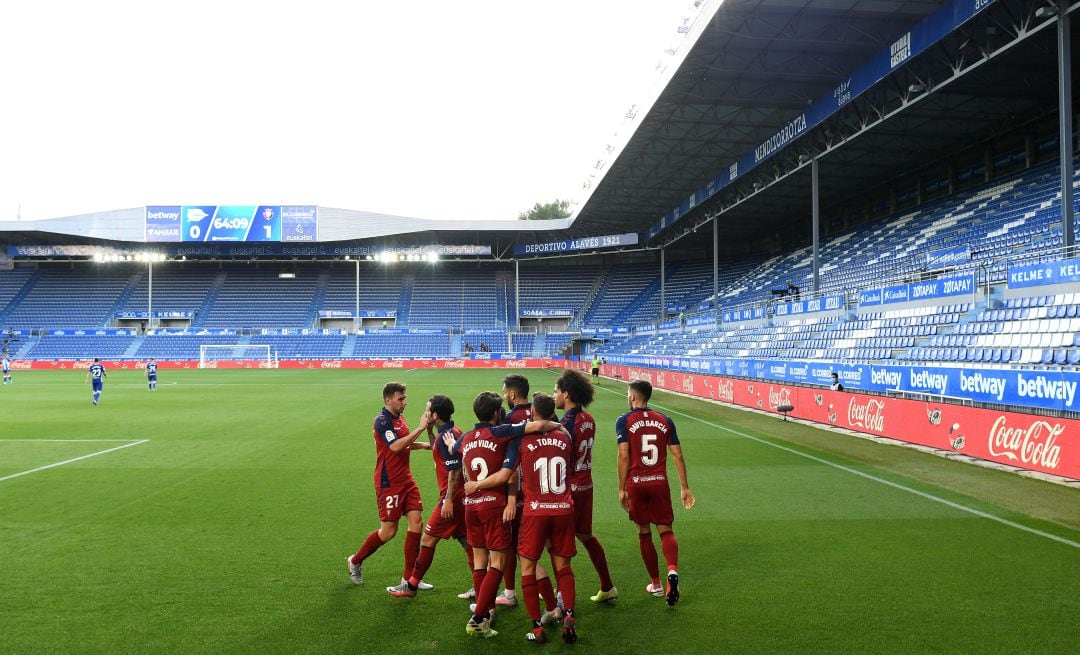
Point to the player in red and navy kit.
(547, 520)
(516, 392)
(485, 450)
(645, 436)
(448, 518)
(395, 489)
(96, 375)
(573, 393)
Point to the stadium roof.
(754, 66)
(761, 62)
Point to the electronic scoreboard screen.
(231, 223)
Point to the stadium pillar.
(716, 265)
(517, 294)
(356, 317)
(1065, 138)
(815, 219)
(663, 287)
(150, 295)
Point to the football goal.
(237, 355)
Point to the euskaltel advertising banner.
(43, 365)
(1035, 443)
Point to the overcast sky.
(456, 110)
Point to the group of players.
(519, 482)
(95, 375)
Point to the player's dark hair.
(486, 405)
(519, 384)
(96, 359)
(442, 407)
(642, 388)
(576, 386)
(543, 406)
(392, 388)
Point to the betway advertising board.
(1035, 443)
(1056, 390)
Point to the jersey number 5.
(650, 455)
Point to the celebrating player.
(573, 393)
(644, 438)
(516, 392)
(448, 518)
(547, 518)
(486, 449)
(151, 374)
(96, 374)
(395, 489)
(5, 364)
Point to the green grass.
(226, 532)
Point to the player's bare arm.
(452, 481)
(510, 511)
(490, 482)
(408, 441)
(624, 468)
(687, 496)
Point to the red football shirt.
(648, 433)
(391, 469)
(484, 450)
(545, 460)
(582, 430)
(446, 462)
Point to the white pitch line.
(68, 440)
(874, 478)
(74, 459)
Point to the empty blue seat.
(1074, 356)
(1061, 356)
(1047, 356)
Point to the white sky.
(457, 110)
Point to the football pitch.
(214, 516)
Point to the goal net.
(235, 356)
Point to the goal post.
(254, 354)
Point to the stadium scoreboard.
(231, 223)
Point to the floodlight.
(1046, 12)
(916, 88)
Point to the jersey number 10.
(552, 474)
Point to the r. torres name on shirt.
(545, 441)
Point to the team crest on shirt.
(636, 479)
(534, 505)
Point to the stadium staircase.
(318, 299)
(122, 299)
(590, 299)
(455, 345)
(208, 301)
(348, 346)
(638, 310)
(14, 286)
(134, 346)
(26, 346)
(405, 301)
